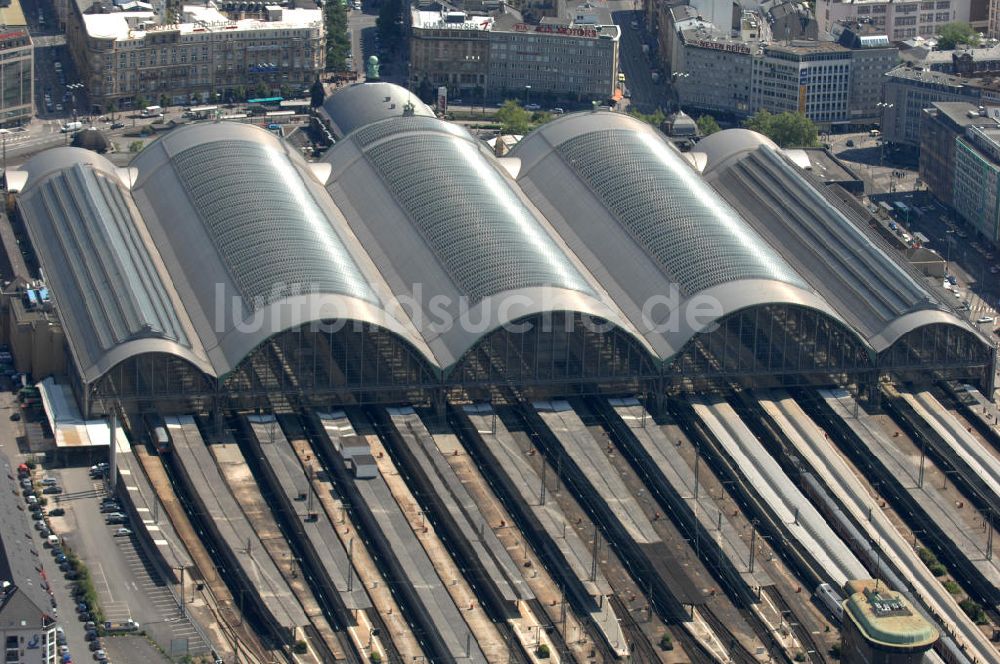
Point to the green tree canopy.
(338, 44)
(656, 118)
(952, 34)
(707, 125)
(789, 130)
(391, 22)
(316, 94)
(514, 119)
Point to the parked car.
(985, 319)
(39, 525)
(110, 508)
(52, 490)
(57, 512)
(49, 481)
(123, 532)
(37, 515)
(532, 107)
(95, 645)
(61, 558)
(101, 656)
(117, 125)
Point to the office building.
(500, 55)
(976, 191)
(122, 56)
(899, 19)
(832, 83)
(882, 627)
(908, 90)
(17, 68)
(940, 127)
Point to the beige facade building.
(900, 19)
(500, 55)
(122, 56)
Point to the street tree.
(338, 44)
(786, 129)
(952, 34)
(656, 118)
(513, 118)
(316, 94)
(707, 125)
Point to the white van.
(71, 126)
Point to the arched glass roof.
(696, 238)
(265, 224)
(104, 279)
(467, 213)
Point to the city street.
(362, 27)
(646, 95)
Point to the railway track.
(638, 643)
(814, 652)
(738, 652)
(391, 651)
(555, 634)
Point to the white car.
(123, 532)
(985, 319)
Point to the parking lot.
(128, 585)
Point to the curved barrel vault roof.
(253, 240)
(109, 284)
(631, 204)
(825, 239)
(362, 104)
(219, 235)
(443, 220)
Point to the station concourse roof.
(219, 235)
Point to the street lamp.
(73, 87)
(676, 76)
(882, 106)
(3, 134)
(527, 92)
